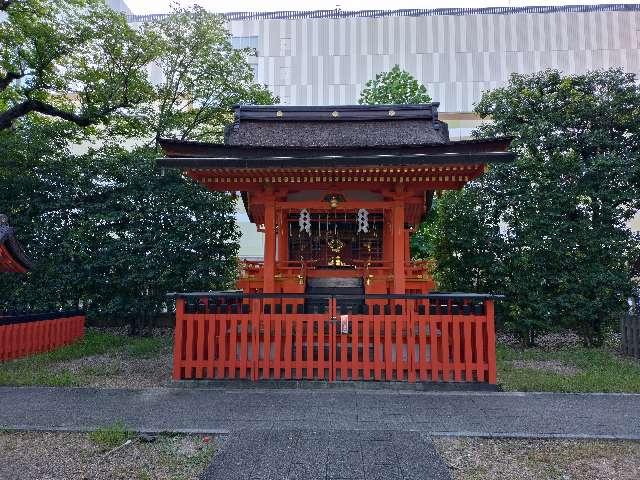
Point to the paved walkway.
(327, 455)
(324, 434)
(225, 410)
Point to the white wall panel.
(458, 56)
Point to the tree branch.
(5, 4)
(8, 78)
(8, 116)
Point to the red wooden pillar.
(398, 247)
(269, 245)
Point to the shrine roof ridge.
(302, 113)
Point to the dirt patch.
(497, 459)
(53, 456)
(120, 370)
(554, 366)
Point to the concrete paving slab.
(323, 455)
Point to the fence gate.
(444, 338)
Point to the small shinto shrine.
(337, 192)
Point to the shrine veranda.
(337, 192)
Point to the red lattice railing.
(22, 335)
(436, 338)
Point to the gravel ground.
(122, 369)
(496, 459)
(555, 366)
(62, 456)
(119, 370)
(548, 341)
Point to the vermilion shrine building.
(337, 192)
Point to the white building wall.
(324, 61)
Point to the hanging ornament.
(305, 221)
(363, 220)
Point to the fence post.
(177, 347)
(491, 340)
(332, 338)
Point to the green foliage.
(394, 87)
(563, 255)
(107, 229)
(75, 60)
(146, 347)
(111, 436)
(113, 234)
(596, 370)
(203, 76)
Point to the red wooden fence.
(24, 335)
(444, 341)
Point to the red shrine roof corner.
(12, 257)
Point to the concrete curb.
(344, 385)
(225, 433)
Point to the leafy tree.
(75, 60)
(107, 229)
(400, 87)
(203, 76)
(563, 257)
(394, 87)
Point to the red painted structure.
(22, 335)
(327, 164)
(439, 338)
(26, 334)
(12, 257)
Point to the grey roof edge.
(468, 141)
(338, 13)
(323, 161)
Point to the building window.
(285, 47)
(245, 42)
(285, 76)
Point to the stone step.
(335, 282)
(335, 286)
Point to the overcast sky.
(163, 6)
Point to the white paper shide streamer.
(305, 221)
(363, 220)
